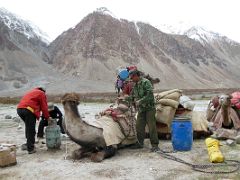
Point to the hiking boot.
(32, 151)
(136, 146)
(155, 149)
(24, 147)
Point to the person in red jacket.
(29, 108)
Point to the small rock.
(237, 138)
(8, 117)
(230, 142)
(16, 119)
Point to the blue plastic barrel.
(123, 74)
(182, 134)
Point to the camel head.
(70, 102)
(150, 78)
(225, 100)
(70, 97)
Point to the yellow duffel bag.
(214, 153)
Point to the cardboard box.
(7, 155)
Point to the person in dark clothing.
(54, 113)
(29, 108)
(119, 85)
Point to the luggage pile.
(172, 103)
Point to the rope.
(66, 148)
(234, 164)
(66, 151)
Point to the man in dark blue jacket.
(54, 113)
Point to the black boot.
(109, 151)
(155, 149)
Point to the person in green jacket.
(142, 96)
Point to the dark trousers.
(143, 118)
(44, 123)
(30, 122)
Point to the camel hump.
(70, 97)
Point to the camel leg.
(107, 152)
(80, 153)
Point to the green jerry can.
(53, 135)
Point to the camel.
(225, 122)
(90, 138)
(150, 78)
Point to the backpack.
(119, 83)
(235, 101)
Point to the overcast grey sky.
(56, 16)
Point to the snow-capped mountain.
(22, 26)
(100, 43)
(201, 34)
(85, 57)
(23, 35)
(206, 36)
(23, 50)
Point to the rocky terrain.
(101, 43)
(85, 57)
(22, 53)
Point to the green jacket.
(143, 92)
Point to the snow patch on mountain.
(198, 33)
(178, 28)
(16, 23)
(136, 26)
(202, 35)
(105, 11)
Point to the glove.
(50, 121)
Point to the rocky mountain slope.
(100, 43)
(22, 51)
(25, 63)
(85, 57)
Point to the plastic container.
(182, 134)
(53, 136)
(123, 74)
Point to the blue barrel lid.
(182, 118)
(123, 74)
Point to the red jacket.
(127, 87)
(36, 101)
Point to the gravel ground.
(127, 164)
